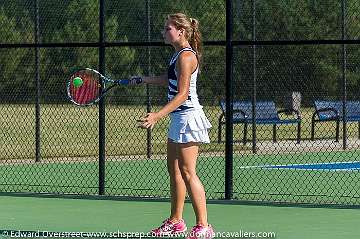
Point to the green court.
(258, 178)
(278, 81)
(49, 215)
(255, 177)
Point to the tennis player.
(188, 126)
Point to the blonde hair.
(192, 32)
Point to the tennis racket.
(87, 86)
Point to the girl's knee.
(187, 174)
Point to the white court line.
(293, 166)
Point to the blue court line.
(319, 166)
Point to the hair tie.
(192, 21)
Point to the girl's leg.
(174, 224)
(188, 154)
(177, 184)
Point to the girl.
(188, 126)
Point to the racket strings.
(88, 91)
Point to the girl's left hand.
(149, 120)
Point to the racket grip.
(138, 80)
(124, 82)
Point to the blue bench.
(266, 113)
(331, 110)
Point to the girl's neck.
(181, 45)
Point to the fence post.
(102, 129)
(229, 104)
(38, 85)
(344, 80)
(254, 139)
(148, 100)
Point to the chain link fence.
(302, 56)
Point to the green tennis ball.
(77, 82)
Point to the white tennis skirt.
(189, 126)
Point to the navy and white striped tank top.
(192, 101)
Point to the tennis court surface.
(50, 217)
(304, 177)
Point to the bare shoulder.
(187, 58)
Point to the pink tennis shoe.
(169, 228)
(201, 232)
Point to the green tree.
(82, 25)
(313, 70)
(15, 70)
(353, 51)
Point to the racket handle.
(138, 80)
(123, 82)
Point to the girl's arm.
(186, 64)
(154, 80)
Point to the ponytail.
(195, 39)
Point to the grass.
(69, 131)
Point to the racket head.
(87, 93)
